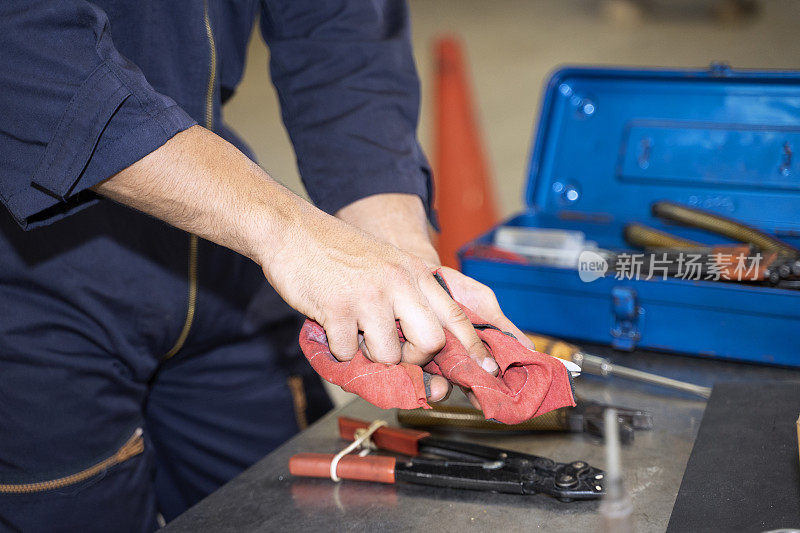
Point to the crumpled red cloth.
(529, 383)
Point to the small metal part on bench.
(616, 509)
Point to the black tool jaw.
(568, 481)
(565, 481)
(466, 465)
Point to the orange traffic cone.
(464, 194)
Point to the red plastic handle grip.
(405, 441)
(378, 468)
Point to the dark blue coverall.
(95, 296)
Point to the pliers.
(459, 465)
(585, 417)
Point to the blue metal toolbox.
(612, 141)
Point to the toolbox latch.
(628, 318)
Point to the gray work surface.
(267, 498)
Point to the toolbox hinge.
(628, 318)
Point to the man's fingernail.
(489, 365)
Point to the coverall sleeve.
(74, 111)
(349, 96)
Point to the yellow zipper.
(132, 448)
(191, 304)
(212, 68)
(299, 400)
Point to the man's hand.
(400, 219)
(342, 277)
(349, 281)
(482, 300)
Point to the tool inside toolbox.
(730, 250)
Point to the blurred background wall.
(511, 47)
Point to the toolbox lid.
(612, 141)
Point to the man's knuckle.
(417, 266)
(486, 293)
(433, 343)
(395, 271)
(372, 295)
(335, 318)
(455, 315)
(342, 346)
(476, 345)
(368, 297)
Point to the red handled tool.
(459, 465)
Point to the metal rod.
(616, 508)
(592, 364)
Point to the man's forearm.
(398, 219)
(200, 183)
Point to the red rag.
(529, 383)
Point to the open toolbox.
(609, 143)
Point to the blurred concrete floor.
(513, 45)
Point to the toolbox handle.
(379, 468)
(405, 441)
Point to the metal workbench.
(267, 498)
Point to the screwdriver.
(601, 366)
